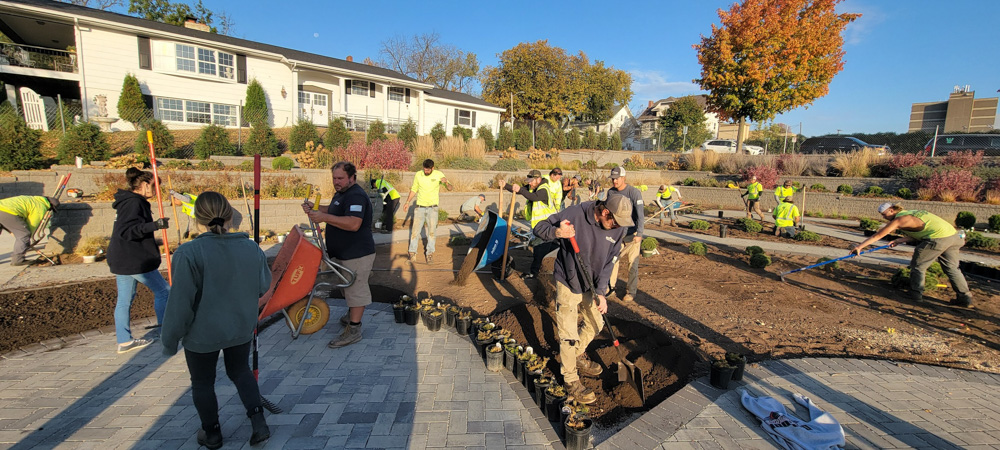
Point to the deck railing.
(30, 56)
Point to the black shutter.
(407, 95)
(347, 87)
(148, 100)
(371, 91)
(456, 116)
(145, 54)
(473, 119)
(241, 69)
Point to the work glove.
(162, 223)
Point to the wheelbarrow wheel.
(315, 317)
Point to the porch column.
(295, 96)
(343, 96)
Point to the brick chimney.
(650, 104)
(350, 58)
(194, 24)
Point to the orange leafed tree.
(771, 56)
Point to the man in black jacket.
(599, 228)
(536, 192)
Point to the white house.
(191, 77)
(649, 120)
(621, 122)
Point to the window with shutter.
(145, 54)
(473, 120)
(464, 117)
(371, 91)
(456, 117)
(241, 69)
(347, 87)
(407, 95)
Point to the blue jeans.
(126, 293)
(669, 205)
(424, 215)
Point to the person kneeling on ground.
(935, 238)
(599, 228)
(786, 218)
(212, 308)
(472, 209)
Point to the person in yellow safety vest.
(186, 200)
(754, 189)
(786, 218)
(783, 192)
(935, 239)
(21, 216)
(390, 203)
(665, 197)
(542, 203)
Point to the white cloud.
(871, 18)
(654, 85)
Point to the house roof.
(650, 113)
(459, 97)
(70, 9)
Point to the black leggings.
(202, 369)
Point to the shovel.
(627, 371)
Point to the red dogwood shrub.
(951, 185)
(965, 159)
(767, 176)
(381, 154)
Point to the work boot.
(430, 258)
(673, 223)
(628, 298)
(345, 319)
(261, 432)
(661, 222)
(412, 256)
(577, 391)
(963, 300)
(22, 262)
(211, 438)
(350, 335)
(917, 297)
(588, 368)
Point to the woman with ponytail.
(133, 255)
(218, 279)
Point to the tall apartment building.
(962, 113)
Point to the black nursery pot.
(529, 379)
(540, 393)
(411, 316)
(399, 314)
(739, 365)
(578, 439)
(509, 360)
(462, 325)
(494, 361)
(449, 318)
(434, 322)
(519, 370)
(481, 346)
(552, 406)
(721, 376)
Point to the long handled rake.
(40, 231)
(267, 404)
(159, 202)
(783, 274)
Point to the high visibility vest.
(667, 194)
(785, 214)
(754, 190)
(555, 194)
(31, 208)
(391, 192)
(539, 211)
(782, 192)
(934, 226)
(188, 208)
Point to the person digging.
(935, 239)
(543, 197)
(21, 216)
(599, 228)
(665, 197)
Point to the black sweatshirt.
(599, 248)
(132, 249)
(540, 195)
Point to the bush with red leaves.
(767, 176)
(965, 159)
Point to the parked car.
(729, 146)
(989, 143)
(830, 144)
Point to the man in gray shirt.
(472, 208)
(630, 244)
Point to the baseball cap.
(663, 187)
(788, 182)
(883, 207)
(534, 174)
(577, 176)
(618, 171)
(621, 209)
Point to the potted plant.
(483, 339)
(571, 409)
(494, 358)
(91, 247)
(399, 312)
(534, 370)
(478, 322)
(510, 350)
(721, 374)
(434, 319)
(739, 363)
(406, 299)
(412, 314)
(555, 394)
(522, 360)
(541, 384)
(577, 430)
(648, 246)
(451, 314)
(462, 322)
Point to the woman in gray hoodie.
(218, 279)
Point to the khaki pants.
(630, 255)
(573, 341)
(359, 293)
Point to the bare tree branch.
(102, 5)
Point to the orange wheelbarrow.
(294, 289)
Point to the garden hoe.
(832, 261)
(627, 371)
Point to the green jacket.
(31, 208)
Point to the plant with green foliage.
(442, 215)
(255, 106)
(522, 138)
(915, 173)
(874, 191)
(262, 141)
(84, 140)
(558, 139)
(408, 134)
(437, 134)
(760, 260)
(303, 131)
(845, 189)
(589, 141)
(689, 182)
(602, 141)
(901, 280)
(485, 133)
(213, 141)
(211, 164)
(994, 223)
(806, 235)
(615, 143)
(505, 138)
(376, 132)
(965, 219)
(698, 248)
(282, 163)
(904, 193)
(163, 140)
(832, 267)
(699, 225)
(869, 224)
(20, 146)
(509, 165)
(749, 225)
(573, 140)
(977, 240)
(754, 249)
(937, 270)
(464, 163)
(462, 132)
(817, 187)
(337, 135)
(648, 244)
(131, 107)
(544, 140)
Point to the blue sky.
(897, 53)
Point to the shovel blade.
(628, 372)
(622, 372)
